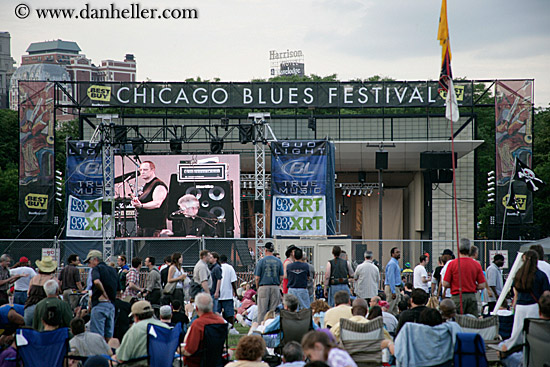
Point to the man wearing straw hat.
(104, 288)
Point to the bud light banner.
(298, 167)
(300, 185)
(299, 215)
(84, 189)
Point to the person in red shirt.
(472, 279)
(289, 260)
(193, 338)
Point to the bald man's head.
(359, 307)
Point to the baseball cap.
(447, 252)
(165, 311)
(289, 249)
(93, 253)
(23, 259)
(141, 307)
(269, 246)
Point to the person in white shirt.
(228, 289)
(420, 275)
(367, 276)
(21, 285)
(541, 264)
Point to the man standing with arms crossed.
(268, 276)
(392, 284)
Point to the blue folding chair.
(162, 344)
(45, 348)
(469, 351)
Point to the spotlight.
(138, 146)
(370, 192)
(175, 145)
(360, 192)
(312, 123)
(246, 133)
(224, 122)
(216, 145)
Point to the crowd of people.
(108, 313)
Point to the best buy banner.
(299, 185)
(84, 187)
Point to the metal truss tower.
(104, 135)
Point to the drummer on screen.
(192, 221)
(151, 204)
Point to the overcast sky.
(231, 39)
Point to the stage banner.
(36, 152)
(299, 215)
(514, 138)
(299, 181)
(84, 189)
(298, 167)
(270, 94)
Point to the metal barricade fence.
(243, 253)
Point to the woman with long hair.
(46, 271)
(317, 346)
(176, 274)
(529, 284)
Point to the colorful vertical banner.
(36, 152)
(299, 187)
(84, 188)
(514, 138)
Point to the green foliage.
(541, 164)
(9, 144)
(9, 172)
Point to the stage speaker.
(258, 207)
(437, 160)
(381, 160)
(214, 196)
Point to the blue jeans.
(214, 304)
(29, 315)
(332, 291)
(303, 296)
(102, 319)
(19, 297)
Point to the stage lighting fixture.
(138, 146)
(354, 192)
(224, 122)
(370, 192)
(246, 133)
(175, 145)
(360, 192)
(216, 145)
(312, 123)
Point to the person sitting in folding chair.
(134, 343)
(299, 323)
(196, 336)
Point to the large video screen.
(214, 180)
